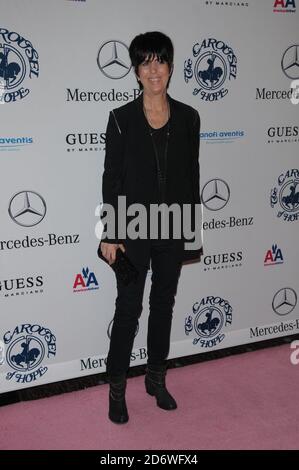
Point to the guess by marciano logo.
(285, 195)
(212, 65)
(21, 286)
(209, 317)
(18, 62)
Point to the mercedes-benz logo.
(114, 60)
(290, 62)
(284, 301)
(215, 194)
(27, 208)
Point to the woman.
(152, 146)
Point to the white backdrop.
(234, 62)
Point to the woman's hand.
(109, 250)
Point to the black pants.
(166, 267)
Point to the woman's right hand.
(109, 250)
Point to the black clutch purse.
(122, 266)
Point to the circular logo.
(25, 353)
(286, 195)
(12, 70)
(210, 70)
(27, 346)
(18, 61)
(213, 63)
(215, 194)
(290, 62)
(284, 301)
(27, 208)
(208, 322)
(208, 318)
(114, 60)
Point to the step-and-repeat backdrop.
(64, 65)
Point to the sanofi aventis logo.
(14, 144)
(222, 137)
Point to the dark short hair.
(151, 44)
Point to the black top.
(159, 137)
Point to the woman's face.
(154, 75)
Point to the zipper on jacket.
(116, 122)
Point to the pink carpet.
(247, 401)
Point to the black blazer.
(130, 166)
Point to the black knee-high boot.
(155, 386)
(118, 412)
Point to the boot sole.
(121, 421)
